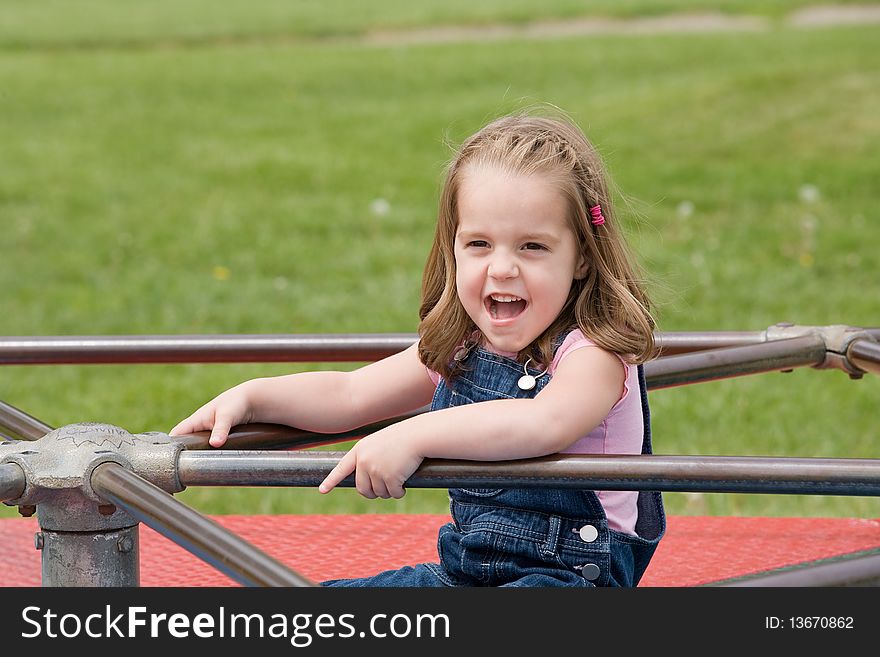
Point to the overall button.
(588, 533)
(590, 571)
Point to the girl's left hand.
(381, 464)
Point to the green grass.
(228, 189)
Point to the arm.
(326, 402)
(583, 390)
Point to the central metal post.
(103, 558)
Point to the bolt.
(125, 544)
(38, 540)
(27, 510)
(106, 509)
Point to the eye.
(479, 244)
(534, 246)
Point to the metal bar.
(270, 436)
(672, 343)
(864, 354)
(12, 482)
(854, 569)
(117, 349)
(808, 350)
(201, 536)
(729, 474)
(21, 424)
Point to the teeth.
(504, 298)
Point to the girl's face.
(515, 255)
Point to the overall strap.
(646, 411)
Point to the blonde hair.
(608, 304)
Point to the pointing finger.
(338, 473)
(222, 425)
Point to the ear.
(580, 270)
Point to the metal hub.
(58, 469)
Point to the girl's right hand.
(219, 415)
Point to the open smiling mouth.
(504, 306)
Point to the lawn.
(226, 185)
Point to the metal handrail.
(724, 363)
(21, 424)
(729, 474)
(133, 349)
(119, 349)
(854, 569)
(271, 436)
(865, 354)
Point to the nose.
(503, 266)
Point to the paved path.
(810, 17)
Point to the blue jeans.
(513, 537)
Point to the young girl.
(533, 328)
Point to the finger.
(396, 491)
(363, 483)
(377, 483)
(201, 419)
(338, 473)
(181, 429)
(188, 426)
(220, 431)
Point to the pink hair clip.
(596, 213)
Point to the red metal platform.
(696, 550)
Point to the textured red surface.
(695, 550)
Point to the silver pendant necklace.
(470, 342)
(527, 381)
(461, 353)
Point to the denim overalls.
(527, 536)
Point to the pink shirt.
(621, 432)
